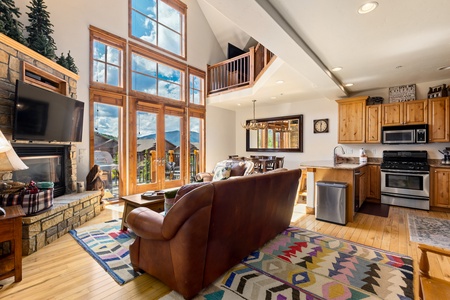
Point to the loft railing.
(240, 71)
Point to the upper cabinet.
(438, 120)
(352, 114)
(403, 113)
(373, 123)
(361, 123)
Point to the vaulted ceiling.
(400, 42)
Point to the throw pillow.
(222, 173)
(238, 169)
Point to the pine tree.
(62, 60)
(71, 63)
(40, 29)
(9, 21)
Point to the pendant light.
(253, 124)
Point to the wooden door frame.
(115, 99)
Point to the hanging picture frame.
(402, 93)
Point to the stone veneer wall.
(13, 55)
(68, 212)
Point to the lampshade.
(4, 144)
(9, 161)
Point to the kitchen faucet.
(335, 156)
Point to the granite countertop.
(329, 164)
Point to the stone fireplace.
(54, 162)
(48, 163)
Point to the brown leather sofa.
(212, 228)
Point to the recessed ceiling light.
(399, 67)
(280, 81)
(238, 104)
(348, 84)
(273, 97)
(444, 68)
(367, 7)
(336, 69)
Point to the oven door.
(415, 184)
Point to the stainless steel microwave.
(405, 134)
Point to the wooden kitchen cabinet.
(373, 123)
(363, 185)
(405, 113)
(352, 118)
(374, 182)
(440, 187)
(438, 120)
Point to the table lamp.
(9, 161)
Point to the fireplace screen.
(43, 167)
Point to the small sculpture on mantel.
(94, 180)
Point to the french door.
(106, 136)
(157, 147)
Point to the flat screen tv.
(42, 115)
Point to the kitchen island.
(327, 170)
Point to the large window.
(163, 138)
(107, 60)
(160, 23)
(151, 77)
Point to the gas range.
(405, 160)
(405, 179)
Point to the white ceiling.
(400, 42)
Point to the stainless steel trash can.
(331, 204)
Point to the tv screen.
(42, 115)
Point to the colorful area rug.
(301, 264)
(430, 231)
(108, 245)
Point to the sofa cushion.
(222, 173)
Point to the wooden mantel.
(33, 54)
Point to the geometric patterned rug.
(109, 246)
(430, 231)
(302, 264)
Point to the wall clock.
(320, 125)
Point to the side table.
(11, 230)
(135, 201)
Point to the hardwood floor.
(63, 270)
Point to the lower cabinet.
(373, 182)
(440, 187)
(362, 185)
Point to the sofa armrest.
(146, 223)
(204, 176)
(149, 224)
(194, 207)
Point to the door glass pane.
(194, 147)
(106, 145)
(147, 161)
(172, 147)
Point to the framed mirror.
(281, 134)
